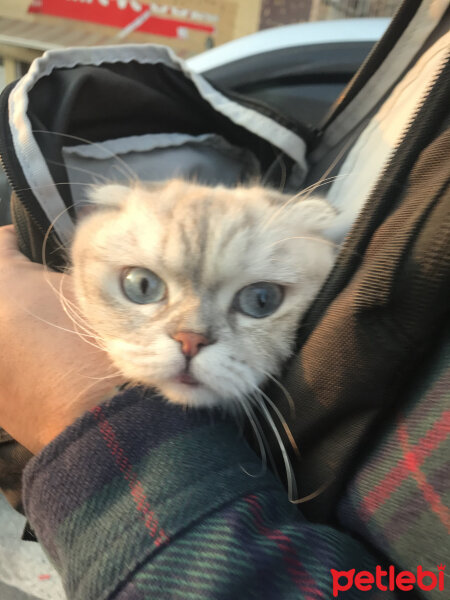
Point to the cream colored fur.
(206, 244)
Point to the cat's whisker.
(120, 172)
(89, 334)
(62, 248)
(78, 319)
(287, 395)
(72, 311)
(257, 431)
(107, 152)
(313, 495)
(79, 326)
(85, 332)
(94, 174)
(87, 337)
(289, 471)
(283, 176)
(333, 164)
(278, 161)
(90, 386)
(290, 477)
(283, 423)
(301, 195)
(269, 454)
(61, 328)
(44, 187)
(113, 375)
(305, 193)
(306, 237)
(288, 465)
(323, 180)
(69, 304)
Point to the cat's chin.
(191, 394)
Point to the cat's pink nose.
(191, 343)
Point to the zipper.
(423, 126)
(405, 13)
(12, 168)
(313, 136)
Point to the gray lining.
(27, 149)
(207, 158)
(144, 143)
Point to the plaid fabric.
(141, 499)
(400, 500)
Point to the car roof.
(298, 34)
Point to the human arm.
(49, 373)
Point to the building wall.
(11, 57)
(284, 12)
(16, 9)
(235, 19)
(342, 9)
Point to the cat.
(197, 291)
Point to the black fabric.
(97, 103)
(31, 225)
(380, 311)
(120, 100)
(13, 458)
(33, 242)
(322, 156)
(403, 16)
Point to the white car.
(299, 69)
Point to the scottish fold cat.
(197, 291)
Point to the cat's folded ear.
(313, 214)
(98, 197)
(112, 195)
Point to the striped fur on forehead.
(207, 235)
(206, 244)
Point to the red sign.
(153, 17)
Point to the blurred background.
(29, 27)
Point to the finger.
(8, 241)
(9, 249)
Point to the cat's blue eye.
(142, 285)
(259, 300)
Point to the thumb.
(8, 242)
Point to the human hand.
(49, 375)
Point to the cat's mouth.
(187, 379)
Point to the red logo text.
(389, 579)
